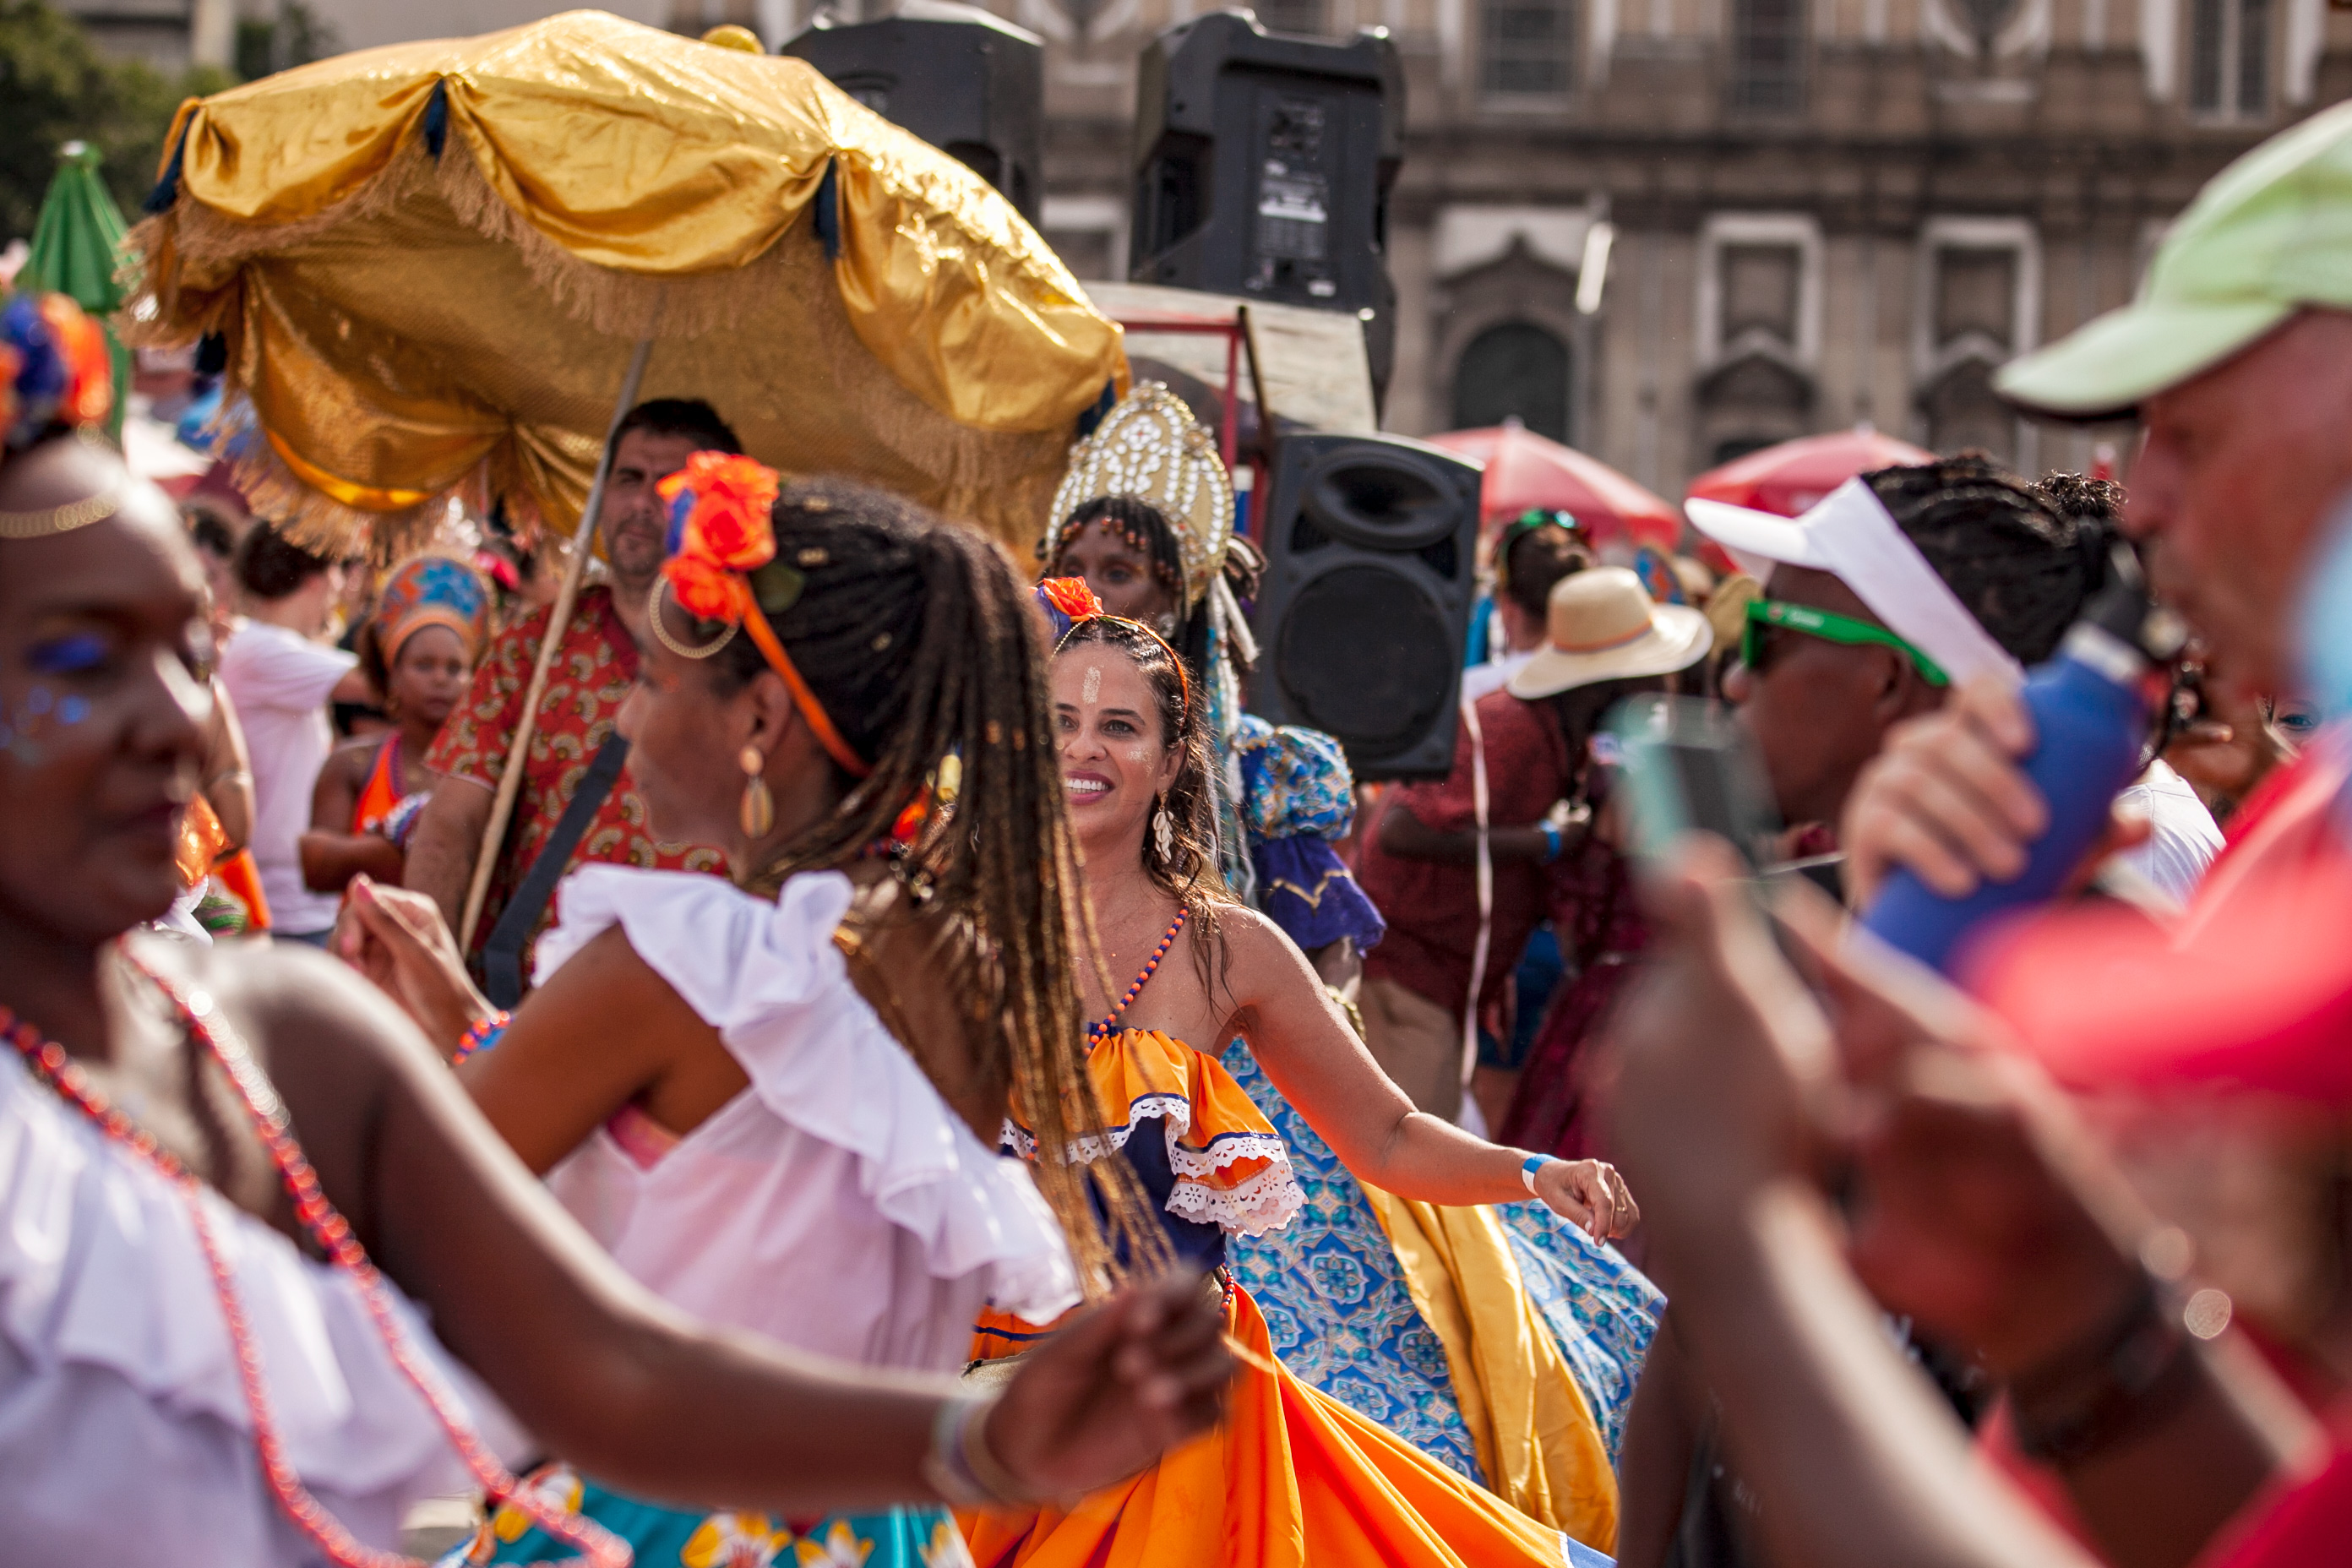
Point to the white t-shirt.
(280, 680)
(1483, 680)
(2183, 837)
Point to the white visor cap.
(1850, 534)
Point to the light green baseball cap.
(2266, 236)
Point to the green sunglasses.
(1829, 626)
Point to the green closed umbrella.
(77, 243)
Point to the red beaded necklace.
(198, 1016)
(1109, 1023)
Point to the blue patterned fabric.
(1335, 1302)
(1340, 1318)
(1294, 781)
(1602, 1311)
(1297, 796)
(665, 1537)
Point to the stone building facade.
(1669, 231)
(1803, 213)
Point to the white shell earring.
(1163, 833)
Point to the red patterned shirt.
(594, 667)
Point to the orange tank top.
(381, 793)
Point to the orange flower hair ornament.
(721, 529)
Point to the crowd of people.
(924, 1076)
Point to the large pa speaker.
(963, 80)
(1262, 164)
(1370, 545)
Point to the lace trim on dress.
(1262, 1203)
(1267, 1201)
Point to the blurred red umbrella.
(1789, 478)
(1525, 470)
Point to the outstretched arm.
(1304, 1042)
(1981, 1211)
(625, 1386)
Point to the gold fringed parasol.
(431, 264)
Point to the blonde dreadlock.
(916, 636)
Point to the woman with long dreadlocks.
(253, 1238)
(777, 1104)
(1364, 1297)
(1291, 1475)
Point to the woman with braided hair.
(777, 1104)
(1291, 1475)
(266, 1274)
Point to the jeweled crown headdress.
(1150, 448)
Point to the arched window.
(1517, 370)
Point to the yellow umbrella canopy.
(430, 264)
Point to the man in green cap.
(1804, 1167)
(2237, 356)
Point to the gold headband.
(63, 519)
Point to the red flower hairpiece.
(1071, 596)
(719, 528)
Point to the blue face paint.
(74, 655)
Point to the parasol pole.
(511, 781)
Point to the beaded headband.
(1183, 677)
(722, 531)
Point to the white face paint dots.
(1092, 688)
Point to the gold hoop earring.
(756, 813)
(662, 633)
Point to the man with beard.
(575, 804)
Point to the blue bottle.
(2091, 706)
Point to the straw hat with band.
(1602, 625)
(2268, 236)
(1851, 535)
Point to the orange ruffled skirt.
(1288, 1478)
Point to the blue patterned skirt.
(665, 1537)
(1340, 1318)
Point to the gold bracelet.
(981, 1461)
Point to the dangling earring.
(1163, 833)
(756, 813)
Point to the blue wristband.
(1529, 1168)
(1551, 840)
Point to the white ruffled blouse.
(838, 1204)
(124, 1436)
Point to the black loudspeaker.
(963, 80)
(1371, 546)
(1262, 164)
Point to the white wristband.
(1528, 1170)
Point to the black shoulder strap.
(502, 953)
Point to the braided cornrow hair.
(1190, 871)
(915, 636)
(2021, 566)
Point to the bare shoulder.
(1261, 956)
(608, 982)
